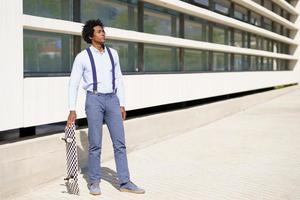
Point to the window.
(238, 38)
(195, 29)
(255, 19)
(47, 54)
(57, 9)
(240, 13)
(220, 35)
(267, 24)
(160, 58)
(238, 62)
(220, 61)
(113, 13)
(268, 4)
(201, 2)
(160, 21)
(277, 27)
(195, 60)
(221, 6)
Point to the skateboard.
(72, 160)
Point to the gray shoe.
(94, 189)
(131, 187)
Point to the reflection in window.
(57, 9)
(202, 2)
(160, 21)
(267, 24)
(238, 38)
(160, 58)
(220, 35)
(195, 29)
(48, 53)
(195, 60)
(113, 13)
(238, 62)
(255, 19)
(220, 61)
(221, 6)
(240, 13)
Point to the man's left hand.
(123, 112)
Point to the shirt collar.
(96, 50)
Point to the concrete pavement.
(251, 155)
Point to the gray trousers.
(106, 107)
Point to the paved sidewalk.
(252, 155)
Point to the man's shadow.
(107, 174)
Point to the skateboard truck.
(67, 140)
(70, 179)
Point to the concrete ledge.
(24, 165)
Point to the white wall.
(46, 101)
(11, 65)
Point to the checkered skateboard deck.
(72, 160)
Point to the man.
(99, 67)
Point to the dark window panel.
(161, 58)
(47, 53)
(195, 60)
(113, 13)
(57, 9)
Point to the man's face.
(99, 35)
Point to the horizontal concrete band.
(26, 164)
(74, 28)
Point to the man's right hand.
(71, 118)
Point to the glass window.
(220, 35)
(257, 1)
(113, 13)
(195, 60)
(160, 58)
(47, 53)
(255, 19)
(267, 24)
(254, 63)
(285, 14)
(266, 66)
(57, 9)
(238, 38)
(253, 42)
(220, 61)
(277, 27)
(276, 9)
(160, 21)
(221, 6)
(195, 29)
(268, 4)
(201, 2)
(238, 63)
(240, 13)
(286, 32)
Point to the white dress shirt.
(82, 69)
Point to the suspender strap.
(113, 68)
(93, 70)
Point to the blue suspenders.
(94, 69)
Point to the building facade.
(170, 51)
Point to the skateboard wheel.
(69, 140)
